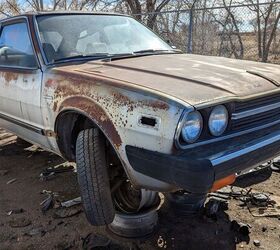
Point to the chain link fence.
(250, 32)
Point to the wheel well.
(68, 126)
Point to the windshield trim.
(38, 38)
(47, 63)
(64, 13)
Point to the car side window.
(15, 47)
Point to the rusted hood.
(191, 78)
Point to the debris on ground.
(11, 181)
(266, 164)
(72, 202)
(240, 228)
(47, 203)
(46, 192)
(262, 205)
(259, 204)
(34, 149)
(45, 176)
(3, 172)
(50, 172)
(66, 212)
(36, 231)
(50, 201)
(15, 211)
(161, 243)
(230, 192)
(260, 199)
(19, 222)
(257, 243)
(214, 205)
(275, 166)
(95, 241)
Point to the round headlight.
(218, 120)
(192, 127)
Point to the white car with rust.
(137, 116)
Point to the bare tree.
(236, 32)
(10, 7)
(153, 7)
(172, 26)
(267, 19)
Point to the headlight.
(192, 127)
(218, 120)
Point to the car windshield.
(84, 36)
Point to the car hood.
(193, 79)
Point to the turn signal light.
(223, 182)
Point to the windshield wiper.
(81, 56)
(94, 56)
(153, 51)
(97, 56)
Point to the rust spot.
(9, 76)
(55, 105)
(126, 101)
(123, 101)
(49, 83)
(97, 114)
(159, 105)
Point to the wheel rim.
(127, 199)
(130, 200)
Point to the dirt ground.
(31, 229)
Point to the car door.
(20, 82)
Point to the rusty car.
(136, 115)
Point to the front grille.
(254, 113)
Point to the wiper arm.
(152, 51)
(81, 56)
(95, 56)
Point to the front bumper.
(197, 170)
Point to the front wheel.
(93, 177)
(105, 187)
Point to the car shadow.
(195, 232)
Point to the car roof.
(42, 13)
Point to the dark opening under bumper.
(197, 175)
